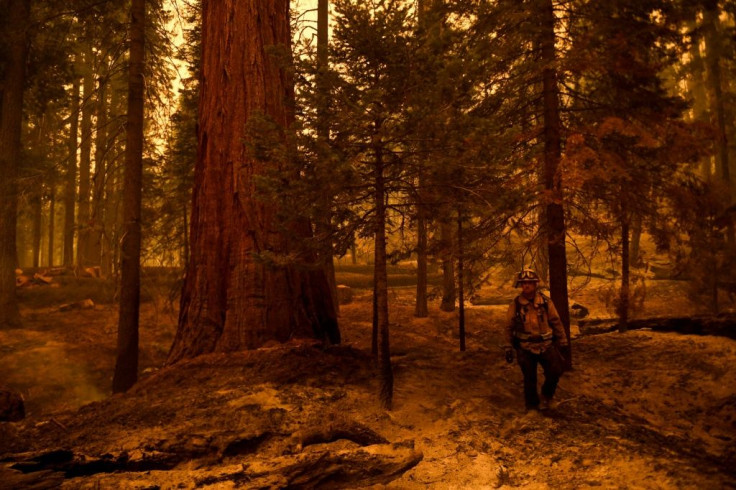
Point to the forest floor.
(639, 410)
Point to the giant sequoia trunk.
(237, 293)
(13, 30)
(553, 182)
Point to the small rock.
(12, 408)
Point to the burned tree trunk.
(238, 294)
(11, 118)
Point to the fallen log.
(325, 468)
(336, 430)
(721, 325)
(57, 271)
(41, 279)
(365, 466)
(94, 272)
(85, 304)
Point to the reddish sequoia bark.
(234, 298)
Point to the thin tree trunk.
(374, 329)
(234, 297)
(85, 159)
(460, 281)
(448, 271)
(70, 182)
(713, 56)
(420, 307)
(37, 227)
(184, 260)
(421, 310)
(714, 274)
(11, 120)
(325, 224)
(387, 378)
(553, 181)
(96, 222)
(623, 307)
(126, 365)
(51, 223)
(699, 94)
(636, 229)
(112, 193)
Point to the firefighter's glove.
(509, 354)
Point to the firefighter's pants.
(551, 362)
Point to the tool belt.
(525, 337)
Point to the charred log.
(721, 325)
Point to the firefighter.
(534, 330)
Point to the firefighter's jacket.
(536, 326)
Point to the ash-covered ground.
(640, 410)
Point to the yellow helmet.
(526, 275)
